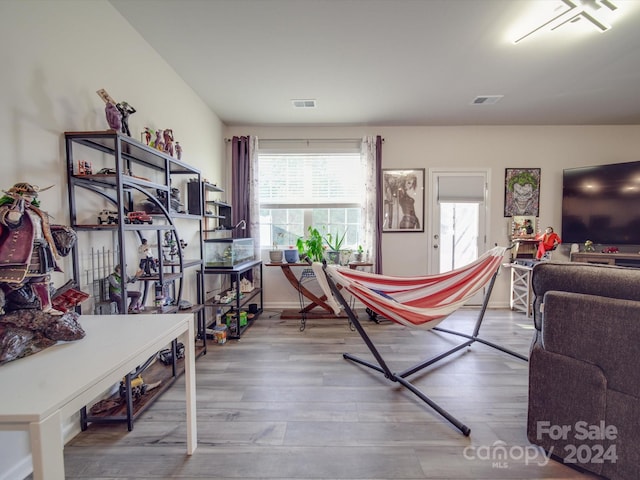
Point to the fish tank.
(227, 252)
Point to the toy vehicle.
(107, 216)
(138, 217)
(107, 171)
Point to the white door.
(459, 219)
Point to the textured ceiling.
(395, 62)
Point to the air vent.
(486, 99)
(310, 103)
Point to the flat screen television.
(602, 204)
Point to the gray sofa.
(584, 367)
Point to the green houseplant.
(334, 243)
(312, 246)
(359, 254)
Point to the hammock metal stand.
(401, 377)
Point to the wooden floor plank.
(284, 404)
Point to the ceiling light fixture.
(573, 11)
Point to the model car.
(107, 216)
(107, 171)
(138, 217)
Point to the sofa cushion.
(562, 392)
(623, 412)
(603, 280)
(598, 330)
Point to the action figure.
(158, 144)
(528, 228)
(178, 150)
(114, 117)
(548, 242)
(168, 141)
(125, 110)
(147, 135)
(115, 291)
(170, 249)
(29, 246)
(147, 262)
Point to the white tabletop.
(61, 377)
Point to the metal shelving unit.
(122, 173)
(235, 274)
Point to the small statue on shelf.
(178, 151)
(168, 141)
(147, 262)
(115, 290)
(114, 117)
(147, 135)
(170, 247)
(176, 202)
(158, 143)
(125, 110)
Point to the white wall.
(54, 57)
(551, 148)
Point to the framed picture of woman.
(403, 200)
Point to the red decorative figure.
(548, 242)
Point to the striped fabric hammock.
(419, 302)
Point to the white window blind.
(305, 180)
(461, 189)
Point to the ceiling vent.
(309, 103)
(486, 99)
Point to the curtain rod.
(346, 140)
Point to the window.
(300, 190)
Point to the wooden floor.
(284, 404)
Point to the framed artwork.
(521, 192)
(403, 200)
(523, 226)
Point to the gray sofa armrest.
(602, 280)
(601, 331)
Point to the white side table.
(521, 299)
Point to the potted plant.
(311, 247)
(335, 245)
(275, 255)
(291, 255)
(358, 256)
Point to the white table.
(42, 390)
(521, 288)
